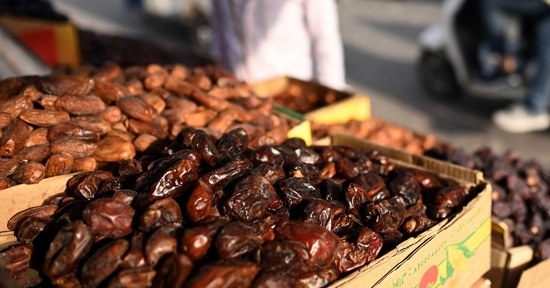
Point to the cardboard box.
(343, 107)
(55, 43)
(513, 266)
(301, 126)
(454, 253)
(23, 196)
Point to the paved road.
(381, 47)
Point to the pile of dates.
(304, 97)
(90, 117)
(520, 198)
(208, 213)
(379, 131)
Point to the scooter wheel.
(437, 75)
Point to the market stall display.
(520, 195)
(210, 211)
(84, 120)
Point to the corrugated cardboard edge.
(447, 169)
(508, 266)
(28, 195)
(401, 157)
(501, 234)
(536, 276)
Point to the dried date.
(163, 211)
(103, 262)
(71, 243)
(251, 198)
(109, 218)
(224, 274)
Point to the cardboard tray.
(513, 266)
(350, 106)
(23, 196)
(454, 253)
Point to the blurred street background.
(381, 49)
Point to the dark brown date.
(374, 186)
(273, 280)
(196, 241)
(86, 185)
(200, 202)
(386, 215)
(171, 181)
(71, 243)
(141, 277)
(29, 227)
(161, 212)
(405, 185)
(237, 238)
(288, 258)
(203, 144)
(162, 241)
(109, 218)
(294, 190)
(173, 271)
(224, 274)
(416, 224)
(251, 198)
(17, 258)
(218, 178)
(103, 262)
(273, 174)
(43, 212)
(232, 143)
(135, 256)
(321, 244)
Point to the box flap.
(499, 260)
(356, 107)
(271, 87)
(536, 276)
(501, 234)
(23, 196)
(520, 259)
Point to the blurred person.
(262, 39)
(531, 114)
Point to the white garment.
(262, 39)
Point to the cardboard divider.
(351, 105)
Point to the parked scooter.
(448, 65)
